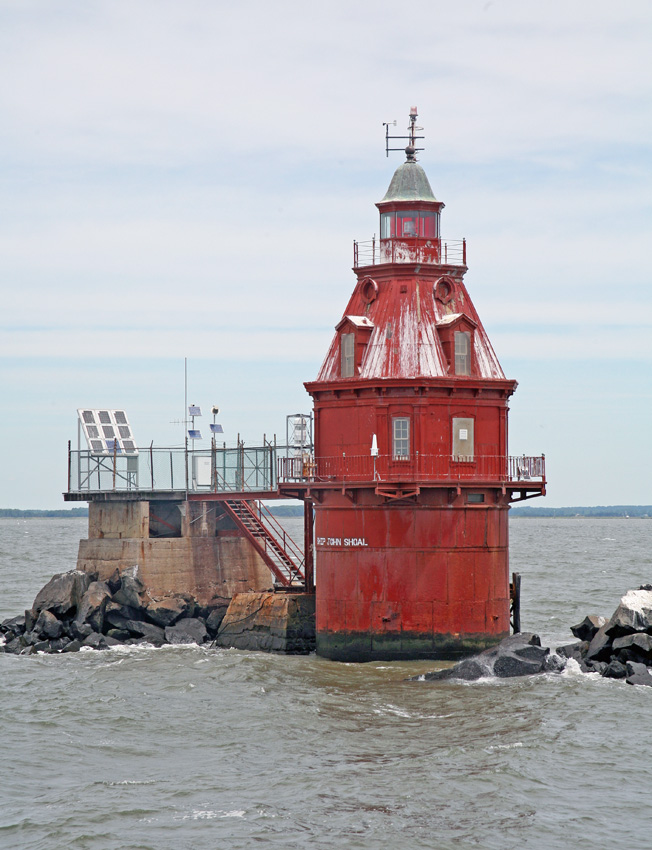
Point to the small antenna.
(411, 150)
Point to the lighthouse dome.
(409, 183)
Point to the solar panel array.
(107, 432)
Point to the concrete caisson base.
(270, 622)
(204, 567)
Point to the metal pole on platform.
(515, 594)
(185, 416)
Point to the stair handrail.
(280, 574)
(290, 546)
(269, 544)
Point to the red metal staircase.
(274, 545)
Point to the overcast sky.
(185, 179)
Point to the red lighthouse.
(411, 480)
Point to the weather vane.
(411, 149)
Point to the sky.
(185, 180)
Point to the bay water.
(189, 747)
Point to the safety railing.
(409, 250)
(418, 467)
(218, 469)
(279, 533)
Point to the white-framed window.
(400, 438)
(462, 353)
(463, 439)
(347, 348)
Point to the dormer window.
(355, 332)
(462, 353)
(347, 345)
(456, 331)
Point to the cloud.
(186, 179)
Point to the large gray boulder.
(118, 616)
(151, 633)
(600, 647)
(615, 670)
(93, 606)
(517, 655)
(62, 594)
(126, 619)
(634, 614)
(13, 646)
(97, 641)
(214, 619)
(47, 626)
(640, 643)
(13, 625)
(638, 674)
(131, 589)
(574, 650)
(588, 627)
(165, 612)
(188, 630)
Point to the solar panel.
(194, 435)
(193, 410)
(113, 427)
(217, 429)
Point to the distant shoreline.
(64, 513)
(527, 512)
(598, 512)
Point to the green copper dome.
(409, 183)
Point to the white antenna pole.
(185, 416)
(185, 396)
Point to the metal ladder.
(284, 559)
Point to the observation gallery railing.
(426, 468)
(261, 469)
(414, 249)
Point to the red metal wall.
(348, 419)
(410, 580)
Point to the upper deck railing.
(409, 250)
(418, 468)
(238, 469)
(260, 469)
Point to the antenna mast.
(411, 150)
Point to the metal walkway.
(275, 546)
